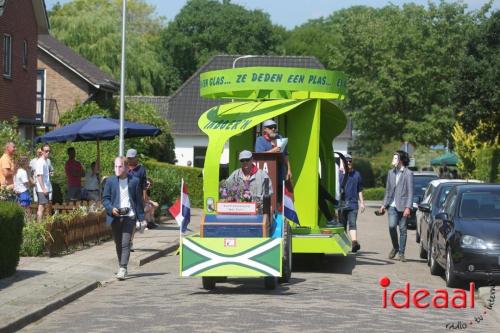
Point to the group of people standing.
(21, 174)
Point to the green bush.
(11, 236)
(33, 239)
(488, 164)
(376, 193)
(167, 182)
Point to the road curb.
(159, 254)
(48, 308)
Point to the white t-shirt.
(20, 180)
(124, 197)
(91, 181)
(43, 169)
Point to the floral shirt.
(237, 182)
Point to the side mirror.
(442, 216)
(426, 208)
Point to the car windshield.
(420, 184)
(481, 204)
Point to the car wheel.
(452, 280)
(434, 266)
(208, 282)
(423, 253)
(270, 282)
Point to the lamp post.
(122, 82)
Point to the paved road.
(342, 294)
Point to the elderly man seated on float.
(248, 182)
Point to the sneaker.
(393, 253)
(140, 226)
(131, 246)
(152, 225)
(334, 224)
(402, 258)
(355, 246)
(122, 273)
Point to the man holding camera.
(122, 199)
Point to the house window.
(199, 154)
(25, 54)
(7, 55)
(40, 94)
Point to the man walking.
(122, 200)
(398, 200)
(353, 194)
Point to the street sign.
(407, 147)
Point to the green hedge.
(488, 164)
(167, 182)
(375, 193)
(34, 236)
(11, 236)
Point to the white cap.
(269, 123)
(348, 157)
(131, 153)
(245, 154)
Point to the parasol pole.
(122, 82)
(98, 162)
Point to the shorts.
(24, 199)
(74, 193)
(42, 198)
(349, 217)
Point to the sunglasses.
(272, 127)
(46, 151)
(245, 160)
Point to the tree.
(478, 91)
(93, 29)
(204, 28)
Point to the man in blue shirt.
(267, 144)
(353, 194)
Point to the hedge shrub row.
(11, 236)
(167, 182)
(375, 193)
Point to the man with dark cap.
(353, 194)
(249, 177)
(268, 143)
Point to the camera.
(124, 211)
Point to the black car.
(465, 236)
(420, 181)
(432, 204)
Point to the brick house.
(20, 23)
(65, 78)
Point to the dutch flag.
(288, 207)
(182, 217)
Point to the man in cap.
(353, 194)
(138, 171)
(249, 177)
(267, 143)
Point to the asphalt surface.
(329, 294)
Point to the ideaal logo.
(422, 298)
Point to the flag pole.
(182, 222)
(283, 210)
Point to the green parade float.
(304, 103)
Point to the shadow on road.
(20, 275)
(138, 275)
(238, 286)
(321, 263)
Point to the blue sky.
(290, 13)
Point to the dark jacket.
(111, 197)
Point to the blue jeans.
(349, 217)
(396, 218)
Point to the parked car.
(430, 205)
(420, 181)
(465, 236)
